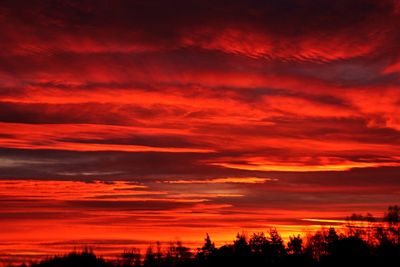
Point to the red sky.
(127, 122)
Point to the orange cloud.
(235, 180)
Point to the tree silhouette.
(295, 245)
(259, 243)
(150, 258)
(366, 243)
(83, 259)
(206, 252)
(131, 258)
(348, 251)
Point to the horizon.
(141, 121)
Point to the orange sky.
(126, 122)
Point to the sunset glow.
(124, 120)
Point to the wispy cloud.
(234, 180)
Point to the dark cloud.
(97, 165)
(89, 113)
(128, 205)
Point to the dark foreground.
(365, 242)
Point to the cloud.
(235, 180)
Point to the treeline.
(364, 241)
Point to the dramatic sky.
(127, 122)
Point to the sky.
(127, 122)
